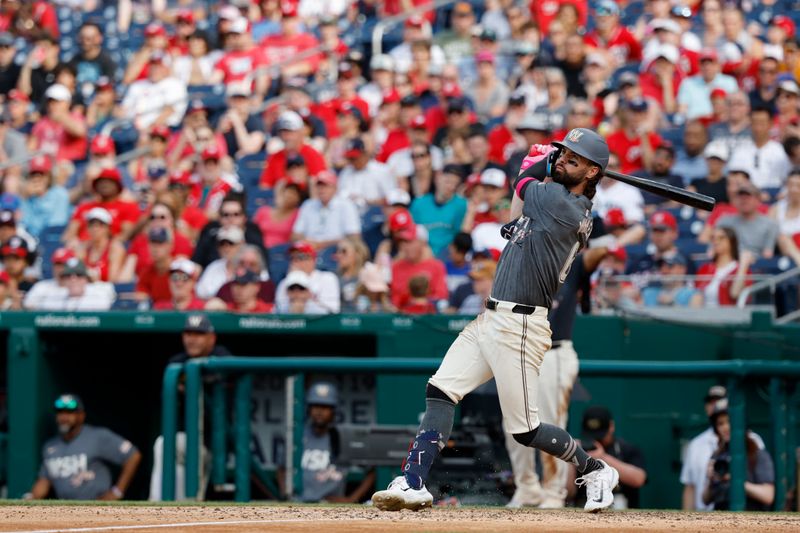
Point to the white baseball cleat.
(399, 495)
(600, 485)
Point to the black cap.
(295, 160)
(198, 323)
(409, 100)
(596, 422)
(453, 168)
(355, 145)
(244, 276)
(488, 34)
(68, 402)
(457, 103)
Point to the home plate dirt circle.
(335, 519)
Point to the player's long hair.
(591, 185)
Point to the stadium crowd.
(261, 156)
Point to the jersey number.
(568, 263)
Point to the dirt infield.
(335, 519)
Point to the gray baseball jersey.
(77, 469)
(321, 477)
(543, 244)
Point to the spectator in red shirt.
(102, 155)
(245, 289)
(195, 136)
(161, 215)
(103, 256)
(185, 27)
(416, 259)
(723, 278)
(154, 280)
(140, 167)
(389, 119)
(633, 143)
(290, 130)
(276, 222)
(611, 36)
(418, 302)
(29, 19)
(182, 279)
(243, 62)
(155, 42)
(60, 133)
(662, 79)
(189, 219)
(212, 183)
(291, 42)
(124, 214)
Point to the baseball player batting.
(550, 221)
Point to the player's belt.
(520, 309)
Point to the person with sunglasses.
(75, 463)
(162, 215)
(231, 215)
(103, 255)
(182, 280)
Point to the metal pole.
(193, 414)
(169, 422)
(244, 386)
(736, 412)
(777, 404)
(289, 459)
(219, 433)
(299, 412)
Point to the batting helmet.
(322, 394)
(586, 143)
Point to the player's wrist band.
(117, 492)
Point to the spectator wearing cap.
(185, 27)
(415, 28)
(610, 35)
(243, 131)
(103, 256)
(420, 159)
(250, 258)
(189, 218)
(315, 116)
(16, 256)
(382, 79)
(757, 233)
(153, 282)
(231, 214)
(787, 117)
(152, 166)
(276, 221)
(229, 241)
(557, 106)
(389, 125)
(346, 93)
(694, 93)
(690, 163)
(59, 133)
(599, 438)
(38, 70)
(488, 93)
(736, 128)
(44, 288)
(673, 289)
(441, 212)
(9, 69)
(485, 192)
(662, 79)
(364, 181)
(324, 293)
(291, 132)
(89, 450)
(663, 234)
(456, 43)
(196, 134)
(458, 121)
(159, 99)
(416, 260)
(195, 67)
(635, 141)
(44, 204)
(243, 62)
(91, 61)
(299, 300)
(245, 287)
(108, 189)
(102, 155)
(182, 279)
(328, 217)
(714, 183)
(156, 43)
(77, 292)
(213, 182)
(291, 42)
(768, 160)
(661, 171)
(351, 255)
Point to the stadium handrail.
(768, 283)
(380, 28)
(736, 371)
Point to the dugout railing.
(782, 376)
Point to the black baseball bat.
(679, 194)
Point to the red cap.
(18, 95)
(180, 177)
(400, 219)
(484, 56)
(155, 29)
(412, 232)
(325, 176)
(615, 217)
(391, 96)
(211, 151)
(160, 131)
(102, 145)
(785, 23)
(718, 93)
(40, 163)
(450, 90)
(288, 9)
(663, 219)
(618, 253)
(302, 247)
(415, 21)
(185, 15)
(709, 53)
(61, 256)
(418, 122)
(110, 173)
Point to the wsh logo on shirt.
(67, 466)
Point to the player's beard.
(64, 429)
(564, 178)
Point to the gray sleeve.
(771, 234)
(543, 197)
(763, 472)
(113, 448)
(726, 222)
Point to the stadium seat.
(372, 228)
(278, 262)
(326, 259)
(691, 248)
(49, 242)
(257, 198)
(249, 169)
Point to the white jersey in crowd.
(330, 222)
(47, 295)
(326, 297)
(212, 279)
(611, 194)
(769, 164)
(369, 185)
(401, 165)
(403, 58)
(145, 100)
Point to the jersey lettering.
(584, 230)
(316, 459)
(67, 466)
